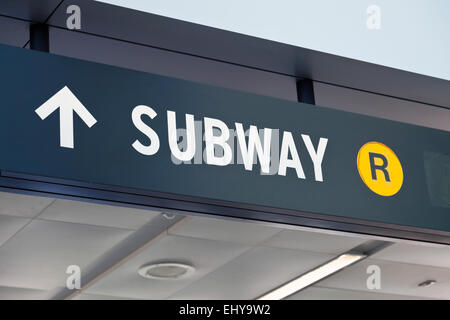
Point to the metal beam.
(123, 252)
(58, 188)
(39, 37)
(305, 91)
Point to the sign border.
(189, 205)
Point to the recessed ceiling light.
(313, 276)
(166, 270)
(169, 216)
(426, 283)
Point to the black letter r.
(374, 167)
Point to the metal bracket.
(39, 37)
(305, 91)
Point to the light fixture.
(426, 283)
(166, 270)
(313, 276)
(169, 216)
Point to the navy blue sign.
(81, 121)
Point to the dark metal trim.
(39, 37)
(229, 47)
(120, 254)
(177, 204)
(213, 44)
(305, 91)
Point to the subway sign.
(81, 121)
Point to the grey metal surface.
(37, 11)
(218, 45)
(120, 253)
(14, 32)
(224, 65)
(179, 36)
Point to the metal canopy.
(188, 38)
(209, 43)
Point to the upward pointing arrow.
(67, 103)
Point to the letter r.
(374, 167)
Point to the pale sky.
(414, 34)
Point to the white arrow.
(67, 103)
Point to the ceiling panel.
(14, 32)
(97, 214)
(319, 293)
(205, 255)
(85, 296)
(9, 226)
(172, 64)
(11, 293)
(38, 256)
(429, 255)
(193, 39)
(396, 278)
(313, 241)
(13, 204)
(253, 274)
(233, 259)
(225, 230)
(380, 106)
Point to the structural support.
(123, 252)
(39, 37)
(183, 205)
(305, 91)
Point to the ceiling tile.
(396, 278)
(13, 204)
(97, 214)
(424, 254)
(253, 274)
(85, 296)
(313, 241)
(9, 226)
(249, 233)
(11, 293)
(319, 293)
(205, 255)
(38, 256)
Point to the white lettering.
(254, 142)
(316, 156)
(288, 146)
(189, 152)
(136, 116)
(221, 140)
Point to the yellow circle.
(380, 169)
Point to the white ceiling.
(340, 29)
(38, 256)
(427, 255)
(255, 272)
(40, 237)
(322, 293)
(206, 255)
(97, 215)
(12, 204)
(396, 278)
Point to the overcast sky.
(414, 34)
